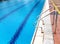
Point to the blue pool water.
(17, 20)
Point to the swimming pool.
(16, 20)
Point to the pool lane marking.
(16, 35)
(6, 15)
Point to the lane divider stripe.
(17, 33)
(6, 15)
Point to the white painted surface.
(47, 28)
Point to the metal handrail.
(40, 27)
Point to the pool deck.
(47, 27)
(57, 33)
(43, 33)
